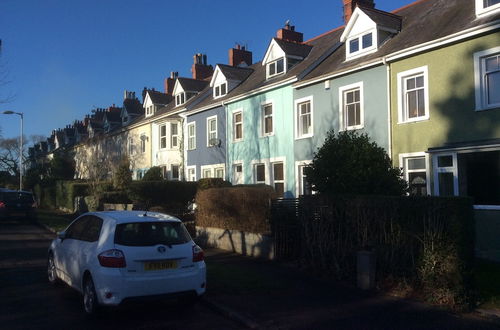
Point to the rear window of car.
(151, 233)
(26, 198)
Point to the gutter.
(389, 114)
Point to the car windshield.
(151, 233)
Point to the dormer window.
(220, 90)
(276, 67)
(487, 7)
(150, 110)
(180, 98)
(360, 44)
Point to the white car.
(114, 256)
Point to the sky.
(60, 59)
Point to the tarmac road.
(28, 301)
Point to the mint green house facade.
(260, 139)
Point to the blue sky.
(64, 58)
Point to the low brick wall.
(250, 244)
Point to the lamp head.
(8, 112)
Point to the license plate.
(160, 265)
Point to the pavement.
(261, 294)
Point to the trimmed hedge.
(60, 194)
(235, 208)
(173, 196)
(424, 242)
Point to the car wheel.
(90, 303)
(51, 270)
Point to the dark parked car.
(13, 202)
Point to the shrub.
(426, 242)
(174, 196)
(350, 163)
(235, 208)
(207, 183)
(122, 176)
(153, 174)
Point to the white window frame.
(189, 176)
(191, 138)
(263, 118)
(218, 90)
(479, 81)
(206, 169)
(236, 112)
(172, 172)
(266, 175)
(342, 113)
(212, 169)
(223, 172)
(143, 139)
(403, 163)
(275, 64)
(401, 90)
(180, 98)
(235, 164)
(298, 118)
(162, 137)
(482, 11)
(299, 189)
(131, 149)
(450, 169)
(174, 137)
(361, 51)
(274, 181)
(209, 132)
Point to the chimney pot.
(200, 69)
(240, 55)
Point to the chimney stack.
(350, 5)
(239, 56)
(170, 82)
(128, 95)
(200, 69)
(288, 33)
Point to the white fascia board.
(261, 90)
(214, 76)
(452, 38)
(352, 22)
(177, 88)
(147, 100)
(272, 44)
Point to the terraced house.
(422, 81)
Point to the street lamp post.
(8, 112)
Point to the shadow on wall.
(248, 244)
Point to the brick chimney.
(240, 56)
(350, 5)
(200, 69)
(288, 33)
(170, 82)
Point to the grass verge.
(487, 276)
(54, 219)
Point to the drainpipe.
(389, 115)
(228, 169)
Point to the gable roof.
(293, 48)
(133, 106)
(421, 22)
(192, 85)
(234, 73)
(158, 97)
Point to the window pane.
(151, 233)
(410, 83)
(280, 65)
(445, 184)
(237, 117)
(278, 171)
(239, 132)
(421, 102)
(269, 125)
(268, 110)
(419, 81)
(272, 68)
(223, 89)
(279, 187)
(416, 163)
(175, 171)
(163, 130)
(493, 87)
(488, 3)
(445, 161)
(353, 45)
(418, 183)
(260, 172)
(411, 98)
(349, 97)
(367, 40)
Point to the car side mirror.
(61, 235)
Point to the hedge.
(424, 242)
(173, 196)
(235, 208)
(60, 194)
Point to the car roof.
(135, 216)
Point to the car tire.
(90, 303)
(51, 270)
